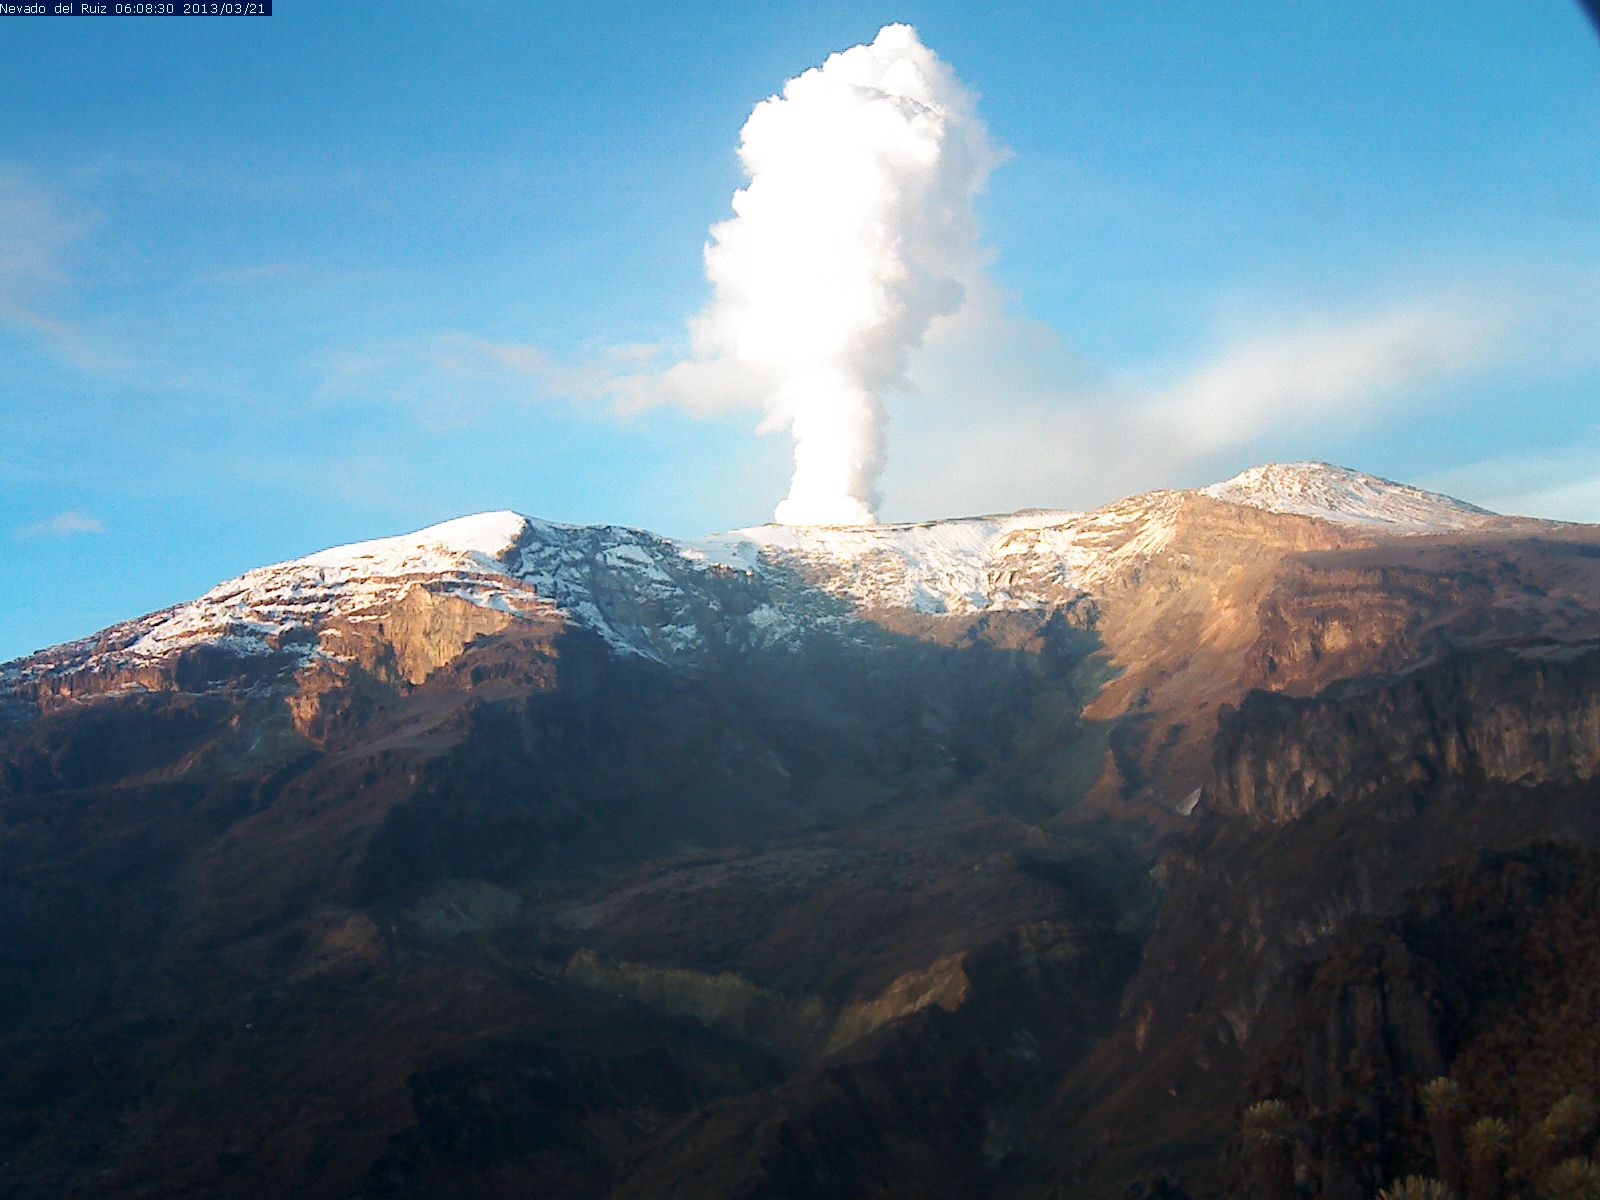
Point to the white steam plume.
(856, 230)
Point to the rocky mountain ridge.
(663, 599)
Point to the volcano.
(1001, 856)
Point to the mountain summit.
(1332, 493)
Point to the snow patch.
(488, 535)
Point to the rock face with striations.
(1527, 713)
(979, 857)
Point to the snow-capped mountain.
(670, 600)
(616, 850)
(1331, 493)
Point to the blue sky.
(271, 285)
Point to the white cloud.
(452, 371)
(72, 523)
(1001, 412)
(1012, 417)
(1338, 369)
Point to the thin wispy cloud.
(37, 235)
(73, 523)
(1343, 368)
(1561, 485)
(1011, 415)
(46, 236)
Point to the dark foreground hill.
(1005, 857)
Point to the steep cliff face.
(1322, 815)
(1526, 714)
(1241, 602)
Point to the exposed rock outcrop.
(1526, 714)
